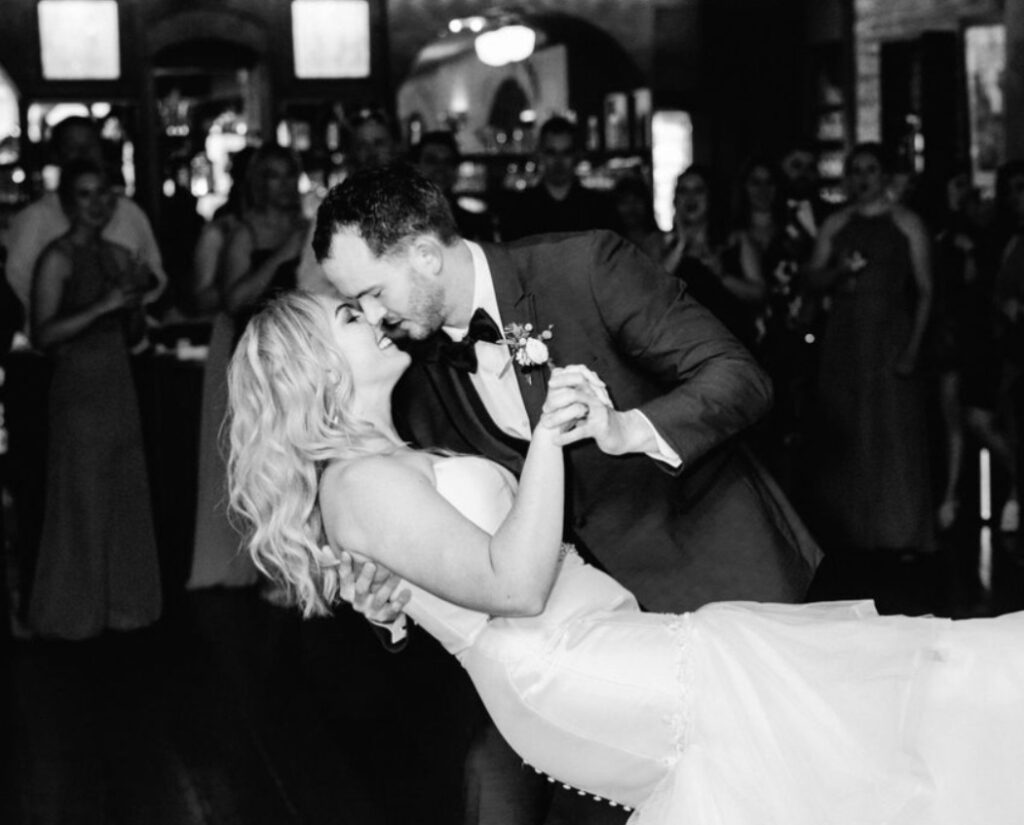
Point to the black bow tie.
(461, 354)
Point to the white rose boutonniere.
(528, 350)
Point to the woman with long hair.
(98, 566)
(216, 556)
(735, 714)
(724, 274)
(871, 469)
(263, 252)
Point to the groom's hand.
(370, 589)
(578, 407)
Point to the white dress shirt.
(495, 379)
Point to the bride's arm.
(391, 513)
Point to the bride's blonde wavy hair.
(290, 392)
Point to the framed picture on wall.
(79, 39)
(985, 63)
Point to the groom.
(661, 493)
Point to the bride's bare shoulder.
(375, 472)
(358, 495)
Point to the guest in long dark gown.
(871, 457)
(98, 566)
(761, 220)
(259, 260)
(215, 560)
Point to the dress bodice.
(484, 492)
(885, 249)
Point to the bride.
(735, 714)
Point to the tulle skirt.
(752, 714)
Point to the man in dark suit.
(558, 202)
(662, 495)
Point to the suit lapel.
(516, 305)
(469, 418)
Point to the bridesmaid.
(98, 564)
(725, 277)
(871, 462)
(215, 560)
(263, 253)
(260, 259)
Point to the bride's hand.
(578, 407)
(370, 589)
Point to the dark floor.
(228, 711)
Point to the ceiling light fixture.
(509, 43)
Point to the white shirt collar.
(484, 296)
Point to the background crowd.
(891, 324)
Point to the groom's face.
(401, 293)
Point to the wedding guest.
(760, 220)
(870, 462)
(968, 358)
(634, 209)
(11, 322)
(216, 559)
(727, 280)
(806, 210)
(259, 261)
(665, 496)
(558, 202)
(30, 231)
(1009, 300)
(97, 566)
(437, 158)
(738, 713)
(208, 255)
(373, 141)
(44, 220)
(263, 252)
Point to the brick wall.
(876, 21)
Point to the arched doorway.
(574, 66)
(210, 98)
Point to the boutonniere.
(528, 350)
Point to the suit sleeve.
(714, 387)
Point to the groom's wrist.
(648, 440)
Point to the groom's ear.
(427, 254)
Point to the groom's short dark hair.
(385, 205)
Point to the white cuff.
(396, 628)
(665, 453)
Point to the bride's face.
(372, 356)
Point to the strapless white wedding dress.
(743, 713)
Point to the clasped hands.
(577, 406)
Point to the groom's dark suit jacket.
(717, 528)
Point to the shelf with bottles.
(480, 174)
